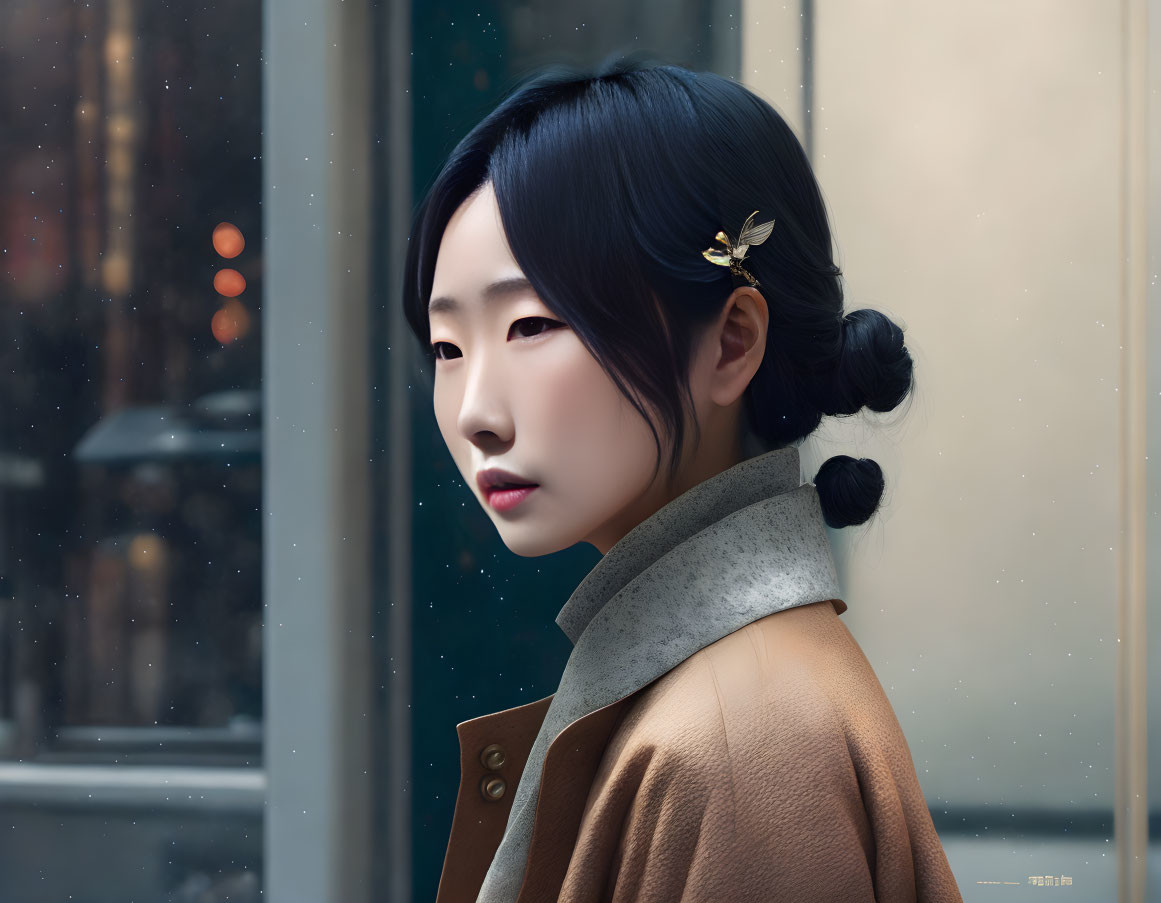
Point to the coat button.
(493, 788)
(493, 757)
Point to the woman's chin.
(532, 543)
(530, 539)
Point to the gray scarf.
(740, 545)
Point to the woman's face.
(515, 388)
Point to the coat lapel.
(492, 748)
(481, 815)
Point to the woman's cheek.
(573, 397)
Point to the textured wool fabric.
(746, 543)
(767, 767)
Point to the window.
(130, 448)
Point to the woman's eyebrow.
(501, 288)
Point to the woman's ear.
(735, 343)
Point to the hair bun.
(849, 490)
(875, 369)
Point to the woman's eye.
(435, 346)
(550, 324)
(544, 322)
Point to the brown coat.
(717, 733)
(767, 766)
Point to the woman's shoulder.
(795, 679)
(767, 765)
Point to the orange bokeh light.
(231, 322)
(228, 240)
(229, 282)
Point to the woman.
(623, 284)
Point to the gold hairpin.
(735, 254)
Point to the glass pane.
(130, 439)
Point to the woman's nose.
(485, 408)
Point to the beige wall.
(971, 157)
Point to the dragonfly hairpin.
(734, 254)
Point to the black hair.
(610, 184)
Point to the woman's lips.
(507, 499)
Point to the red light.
(229, 282)
(231, 322)
(228, 240)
